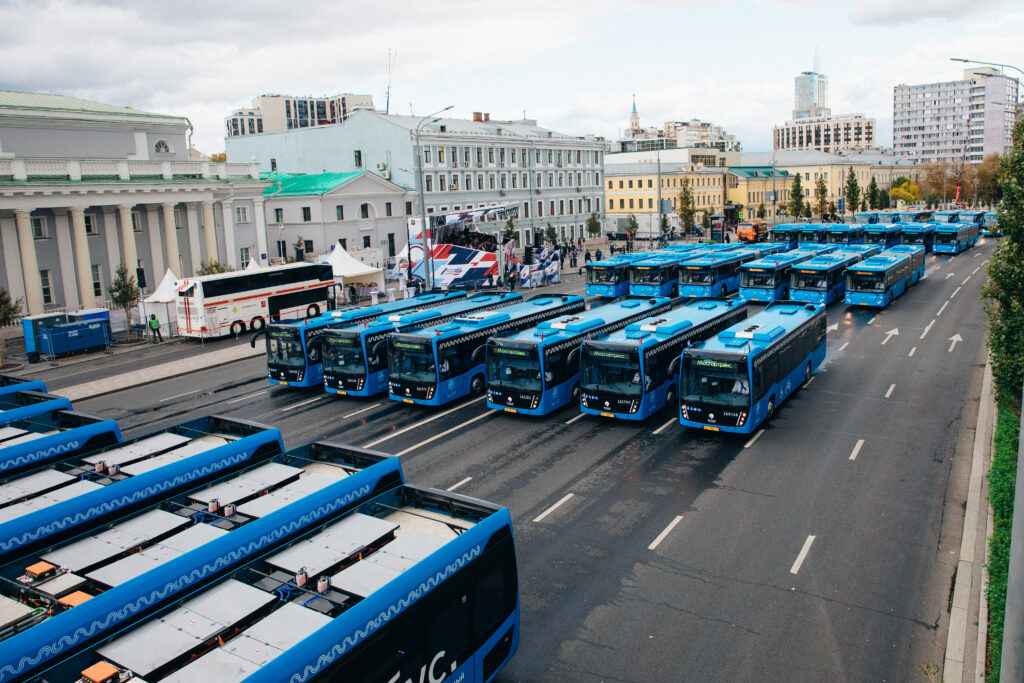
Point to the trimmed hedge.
(1002, 479)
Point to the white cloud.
(889, 12)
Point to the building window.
(364, 211)
(282, 248)
(490, 155)
(366, 241)
(442, 183)
(408, 208)
(273, 162)
(426, 155)
(44, 280)
(307, 246)
(241, 214)
(387, 208)
(162, 147)
(244, 253)
(38, 228)
(391, 235)
(359, 158)
(339, 212)
(97, 281)
(307, 214)
(429, 185)
(136, 221)
(440, 155)
(90, 225)
(279, 215)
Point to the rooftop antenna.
(387, 91)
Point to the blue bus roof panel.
(10, 384)
(21, 405)
(569, 326)
(838, 259)
(483, 320)
(773, 261)
(665, 325)
(55, 435)
(759, 330)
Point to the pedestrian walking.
(599, 255)
(611, 248)
(154, 329)
(586, 256)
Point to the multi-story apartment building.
(748, 188)
(86, 186)
(682, 134)
(633, 189)
(283, 112)
(811, 96)
(455, 164)
(826, 133)
(968, 119)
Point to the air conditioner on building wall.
(386, 175)
(381, 166)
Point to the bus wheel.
(476, 385)
(575, 392)
(670, 396)
(313, 311)
(237, 328)
(807, 372)
(256, 325)
(771, 408)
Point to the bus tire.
(807, 373)
(670, 396)
(575, 392)
(237, 328)
(256, 324)
(476, 385)
(313, 311)
(771, 409)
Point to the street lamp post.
(978, 61)
(424, 228)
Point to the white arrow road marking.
(949, 275)
(894, 332)
(953, 340)
(832, 328)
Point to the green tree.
(124, 292)
(510, 232)
(872, 194)
(864, 204)
(807, 210)
(761, 210)
(593, 225)
(832, 208)
(821, 196)
(551, 234)
(1003, 293)
(796, 197)
(852, 191)
(684, 207)
(883, 199)
(9, 312)
(632, 226)
(211, 267)
(705, 222)
(297, 246)
(666, 227)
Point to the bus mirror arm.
(376, 347)
(674, 366)
(570, 359)
(477, 351)
(257, 335)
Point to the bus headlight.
(534, 402)
(742, 420)
(686, 416)
(430, 393)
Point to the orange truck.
(755, 231)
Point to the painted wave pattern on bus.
(38, 455)
(393, 610)
(156, 596)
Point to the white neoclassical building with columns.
(85, 186)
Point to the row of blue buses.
(294, 354)
(537, 371)
(822, 279)
(878, 280)
(609, 278)
(954, 238)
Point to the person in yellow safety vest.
(154, 329)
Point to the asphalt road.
(822, 548)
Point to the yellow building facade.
(633, 188)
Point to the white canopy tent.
(353, 273)
(253, 265)
(162, 303)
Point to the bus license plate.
(511, 410)
(607, 414)
(710, 428)
(342, 393)
(284, 383)
(406, 400)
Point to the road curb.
(959, 614)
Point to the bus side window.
(313, 352)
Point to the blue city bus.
(101, 604)
(609, 278)
(711, 276)
(845, 233)
(885, 235)
(915, 216)
(735, 381)
(294, 348)
(356, 359)
(57, 500)
(633, 373)
(916, 253)
(785, 233)
(767, 279)
(947, 217)
(762, 249)
(436, 364)
(410, 584)
(537, 370)
(56, 435)
(921, 234)
(20, 405)
(866, 217)
(989, 224)
(954, 238)
(812, 233)
(969, 216)
(861, 250)
(10, 384)
(877, 280)
(822, 279)
(656, 275)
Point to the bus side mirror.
(674, 365)
(377, 347)
(477, 352)
(570, 359)
(257, 335)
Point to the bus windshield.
(816, 282)
(284, 348)
(649, 275)
(838, 237)
(710, 380)
(412, 361)
(946, 237)
(913, 238)
(513, 368)
(695, 276)
(875, 238)
(602, 276)
(752, 278)
(809, 236)
(990, 221)
(861, 281)
(343, 354)
(611, 371)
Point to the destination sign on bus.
(407, 345)
(282, 334)
(344, 341)
(716, 364)
(610, 355)
(507, 351)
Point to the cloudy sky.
(573, 66)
